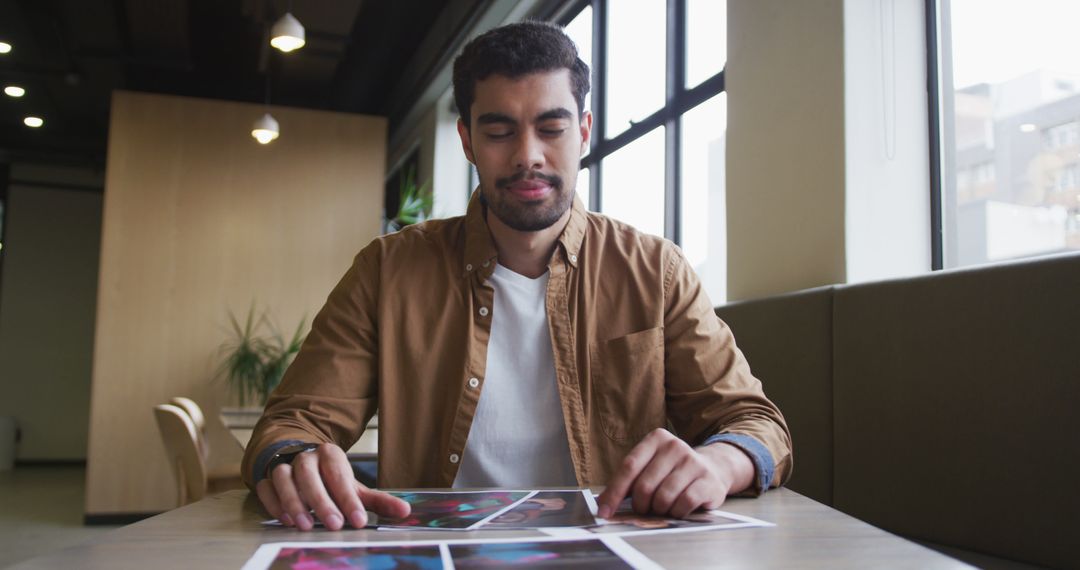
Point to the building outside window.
(1009, 103)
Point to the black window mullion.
(675, 80)
(599, 102)
(933, 88)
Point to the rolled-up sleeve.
(711, 394)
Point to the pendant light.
(265, 130)
(287, 34)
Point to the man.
(527, 343)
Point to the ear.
(586, 131)
(466, 140)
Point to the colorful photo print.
(627, 521)
(367, 557)
(452, 511)
(571, 553)
(547, 509)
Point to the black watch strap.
(287, 454)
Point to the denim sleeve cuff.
(764, 466)
(266, 455)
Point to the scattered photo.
(573, 553)
(627, 521)
(367, 557)
(548, 509)
(452, 510)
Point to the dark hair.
(513, 51)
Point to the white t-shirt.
(518, 438)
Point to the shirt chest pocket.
(628, 383)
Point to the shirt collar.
(480, 252)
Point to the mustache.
(554, 180)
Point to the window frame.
(678, 100)
(934, 107)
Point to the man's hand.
(668, 477)
(323, 481)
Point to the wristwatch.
(287, 454)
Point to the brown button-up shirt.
(636, 344)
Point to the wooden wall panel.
(199, 218)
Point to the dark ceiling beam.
(440, 46)
(384, 37)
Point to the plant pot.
(240, 418)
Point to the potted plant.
(416, 202)
(254, 360)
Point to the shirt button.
(483, 311)
(487, 263)
(573, 259)
(468, 267)
(474, 382)
(454, 458)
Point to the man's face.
(526, 140)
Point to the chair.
(179, 435)
(218, 478)
(195, 413)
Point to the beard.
(527, 216)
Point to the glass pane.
(583, 187)
(636, 62)
(704, 231)
(706, 39)
(580, 30)
(633, 183)
(1011, 129)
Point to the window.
(1006, 117)
(1065, 136)
(659, 118)
(1065, 179)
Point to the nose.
(529, 154)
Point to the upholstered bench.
(941, 407)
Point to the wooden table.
(224, 531)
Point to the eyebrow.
(557, 113)
(500, 118)
(495, 119)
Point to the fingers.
(294, 510)
(666, 476)
(694, 497)
(384, 503)
(338, 477)
(683, 474)
(652, 484)
(308, 476)
(619, 485)
(265, 490)
(632, 466)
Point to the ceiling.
(70, 55)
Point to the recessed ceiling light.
(14, 91)
(1027, 128)
(5, 47)
(33, 122)
(287, 34)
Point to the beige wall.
(785, 146)
(47, 315)
(198, 219)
